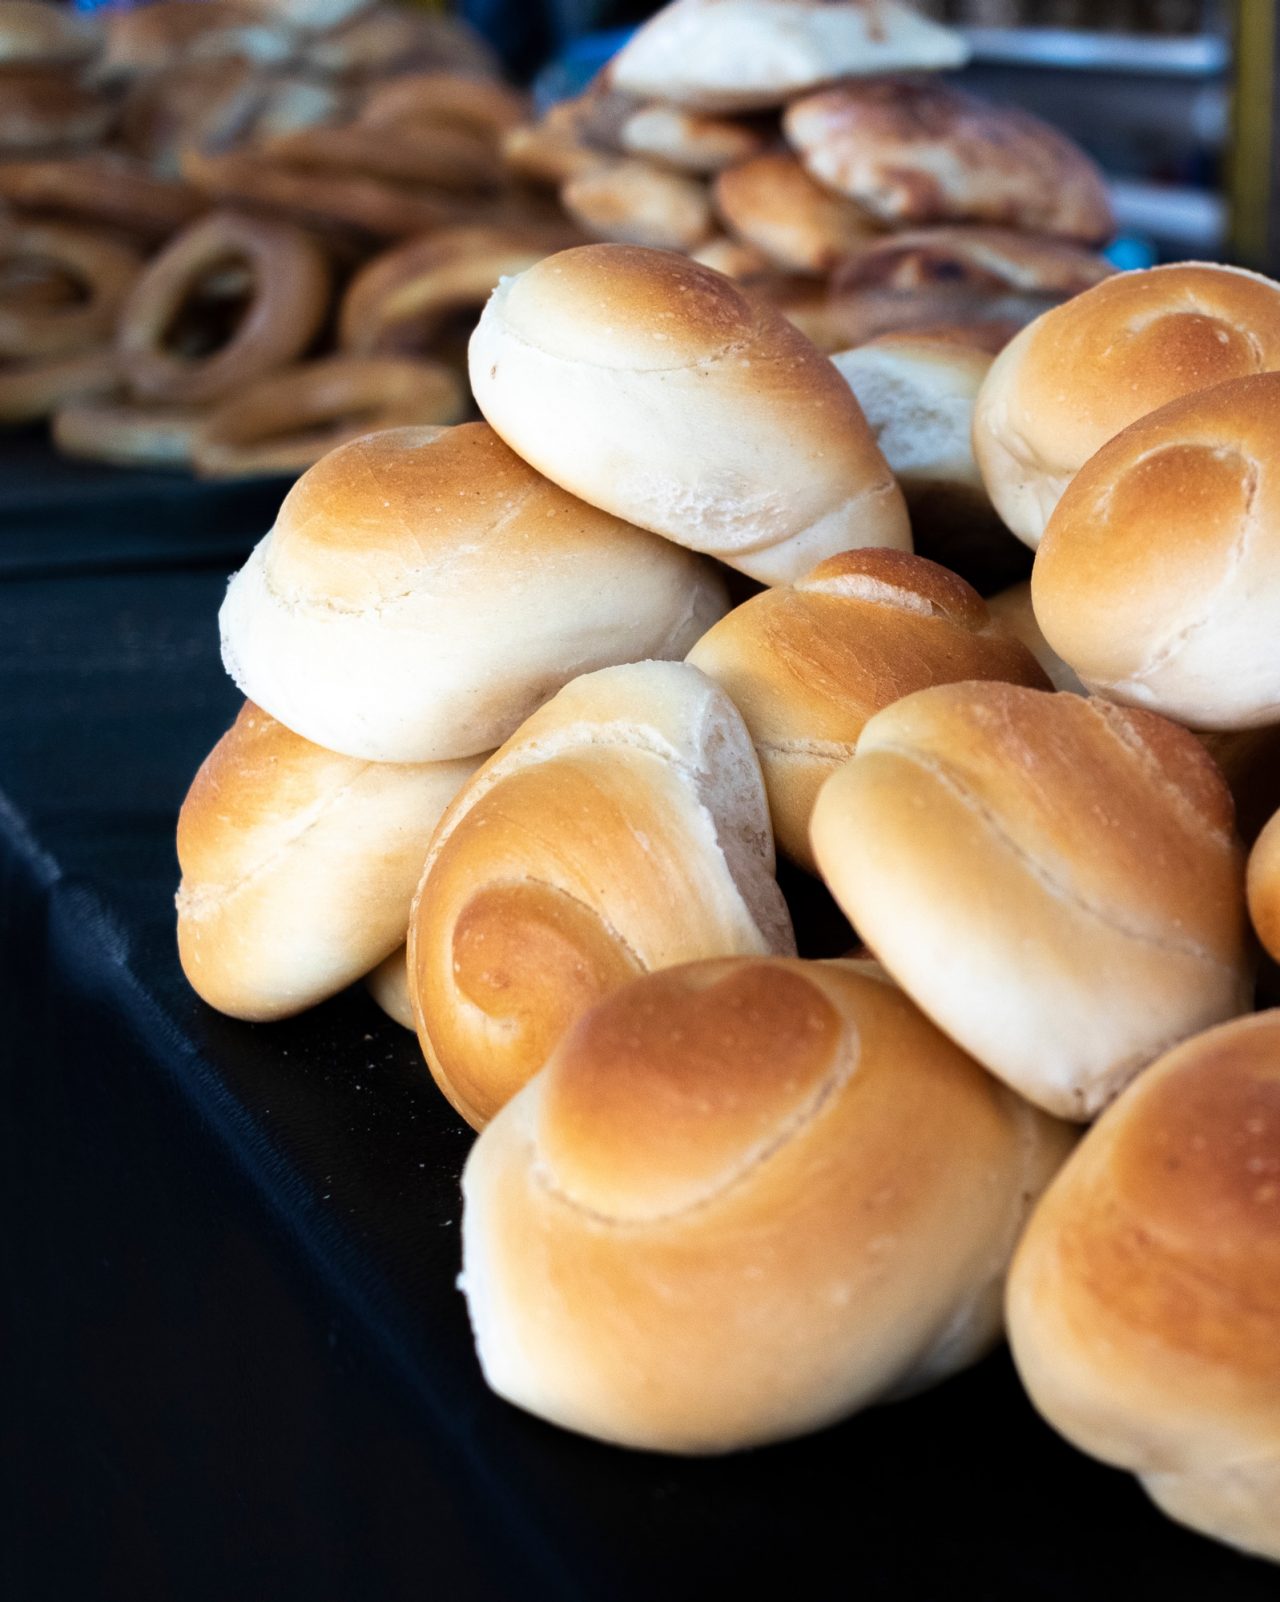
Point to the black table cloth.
(239, 1362)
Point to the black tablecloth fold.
(231, 1259)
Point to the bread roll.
(638, 203)
(423, 590)
(1012, 609)
(1144, 1300)
(298, 866)
(744, 1199)
(687, 140)
(657, 389)
(732, 258)
(623, 828)
(388, 984)
(1158, 579)
(1264, 887)
(1055, 881)
(35, 34)
(746, 55)
(772, 203)
(924, 152)
(917, 391)
(1086, 370)
(808, 666)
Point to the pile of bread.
(777, 141)
(550, 694)
(236, 232)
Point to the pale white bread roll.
(747, 55)
(1084, 371)
(916, 152)
(744, 1199)
(657, 389)
(1055, 881)
(1144, 1299)
(298, 865)
(623, 828)
(808, 665)
(423, 590)
(388, 984)
(1158, 578)
(917, 390)
(639, 203)
(1013, 610)
(771, 202)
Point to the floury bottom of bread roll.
(744, 1199)
(808, 665)
(1144, 1300)
(657, 389)
(1055, 881)
(424, 590)
(298, 866)
(623, 828)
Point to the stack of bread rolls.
(509, 752)
(234, 234)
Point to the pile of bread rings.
(573, 732)
(234, 233)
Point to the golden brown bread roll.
(1158, 578)
(298, 865)
(424, 590)
(923, 151)
(551, 151)
(744, 1199)
(746, 55)
(807, 666)
(622, 828)
(637, 203)
(1084, 371)
(1144, 1299)
(772, 203)
(657, 389)
(732, 258)
(1055, 881)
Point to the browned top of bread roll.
(1144, 1300)
(927, 152)
(982, 259)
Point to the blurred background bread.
(807, 665)
(622, 828)
(1086, 370)
(1144, 1300)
